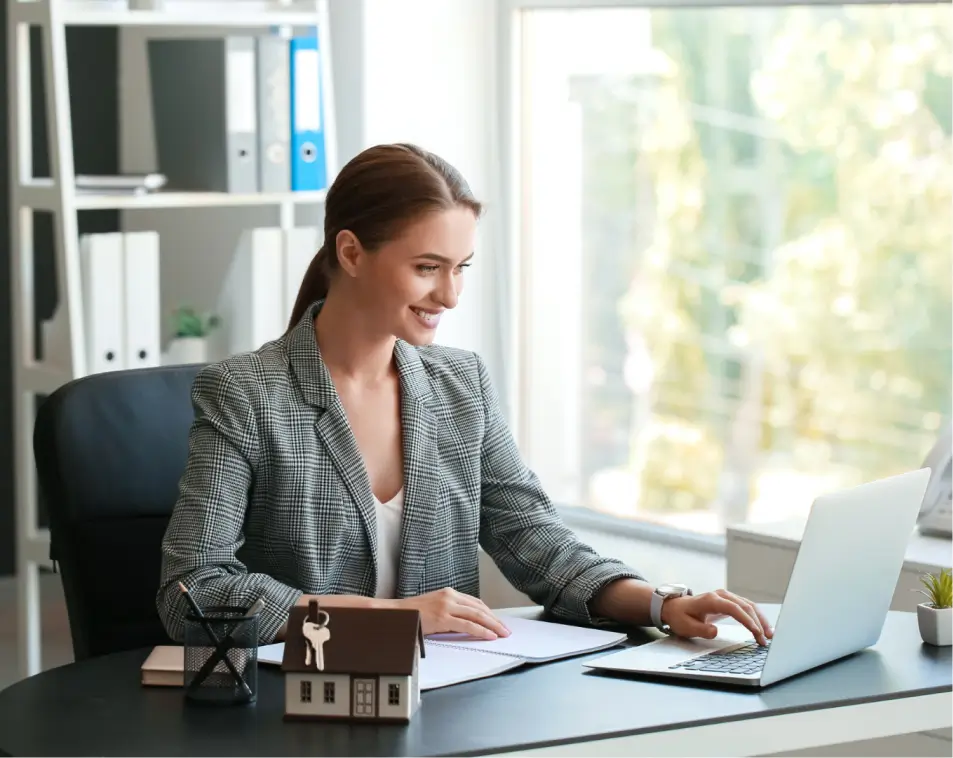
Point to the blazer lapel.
(333, 429)
(421, 468)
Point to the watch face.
(672, 589)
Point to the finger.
(473, 602)
(768, 629)
(728, 607)
(483, 617)
(748, 607)
(461, 620)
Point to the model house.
(352, 663)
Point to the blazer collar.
(420, 446)
(315, 379)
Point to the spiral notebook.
(450, 658)
(454, 658)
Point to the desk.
(98, 707)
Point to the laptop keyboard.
(748, 659)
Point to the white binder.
(251, 300)
(301, 245)
(141, 299)
(274, 114)
(101, 262)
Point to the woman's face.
(411, 280)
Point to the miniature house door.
(364, 697)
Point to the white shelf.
(42, 194)
(59, 196)
(193, 200)
(193, 13)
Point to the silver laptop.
(836, 601)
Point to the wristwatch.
(661, 594)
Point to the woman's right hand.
(447, 610)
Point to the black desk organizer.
(221, 656)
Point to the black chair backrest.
(110, 449)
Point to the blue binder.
(308, 151)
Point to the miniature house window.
(393, 694)
(329, 692)
(305, 692)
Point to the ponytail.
(314, 286)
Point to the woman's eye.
(427, 269)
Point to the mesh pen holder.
(221, 656)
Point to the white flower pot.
(187, 350)
(936, 624)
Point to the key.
(321, 635)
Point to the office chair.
(110, 449)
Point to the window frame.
(510, 306)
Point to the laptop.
(836, 602)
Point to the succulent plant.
(938, 588)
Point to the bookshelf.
(59, 197)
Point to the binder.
(251, 300)
(301, 245)
(141, 304)
(308, 150)
(204, 100)
(101, 264)
(274, 114)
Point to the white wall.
(429, 71)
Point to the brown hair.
(375, 196)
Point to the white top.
(388, 543)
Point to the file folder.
(204, 100)
(101, 265)
(274, 114)
(142, 309)
(251, 300)
(308, 149)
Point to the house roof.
(362, 641)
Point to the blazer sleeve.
(525, 536)
(205, 530)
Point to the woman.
(353, 461)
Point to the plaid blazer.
(275, 500)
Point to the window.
(329, 692)
(735, 253)
(393, 694)
(305, 692)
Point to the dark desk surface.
(98, 707)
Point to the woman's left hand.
(694, 615)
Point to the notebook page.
(272, 653)
(537, 641)
(443, 666)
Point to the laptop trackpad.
(666, 652)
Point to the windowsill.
(596, 522)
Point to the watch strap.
(655, 610)
(655, 606)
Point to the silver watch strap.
(655, 610)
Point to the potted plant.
(190, 336)
(935, 617)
